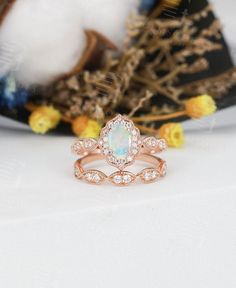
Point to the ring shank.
(151, 159)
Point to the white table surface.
(58, 232)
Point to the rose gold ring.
(121, 144)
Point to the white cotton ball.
(41, 40)
(44, 39)
(108, 17)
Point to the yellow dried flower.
(173, 134)
(79, 124)
(92, 130)
(200, 106)
(43, 119)
(84, 127)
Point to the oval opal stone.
(119, 141)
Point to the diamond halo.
(120, 142)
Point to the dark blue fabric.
(146, 5)
(12, 96)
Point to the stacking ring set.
(121, 145)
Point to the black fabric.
(220, 61)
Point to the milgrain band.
(156, 170)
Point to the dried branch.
(157, 52)
(215, 86)
(141, 102)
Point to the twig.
(146, 129)
(151, 118)
(147, 97)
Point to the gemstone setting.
(154, 145)
(149, 175)
(83, 146)
(122, 178)
(120, 142)
(94, 177)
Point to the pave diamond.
(127, 178)
(94, 176)
(149, 175)
(117, 179)
(122, 178)
(77, 147)
(154, 145)
(82, 146)
(162, 144)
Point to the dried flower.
(173, 134)
(200, 106)
(43, 119)
(79, 124)
(84, 127)
(122, 82)
(92, 130)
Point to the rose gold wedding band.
(156, 171)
